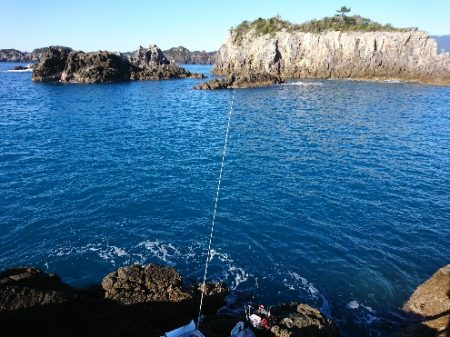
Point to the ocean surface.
(334, 193)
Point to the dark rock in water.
(152, 64)
(61, 64)
(430, 304)
(149, 57)
(137, 284)
(247, 80)
(51, 65)
(22, 288)
(20, 68)
(301, 320)
(99, 67)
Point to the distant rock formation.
(61, 64)
(13, 55)
(443, 43)
(430, 305)
(401, 55)
(240, 81)
(182, 55)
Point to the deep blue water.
(336, 193)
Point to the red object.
(265, 323)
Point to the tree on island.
(342, 11)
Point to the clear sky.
(113, 25)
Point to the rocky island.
(64, 65)
(333, 48)
(182, 55)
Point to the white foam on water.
(240, 276)
(364, 315)
(162, 251)
(303, 84)
(301, 282)
(355, 305)
(223, 257)
(392, 81)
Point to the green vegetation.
(342, 11)
(339, 22)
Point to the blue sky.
(196, 24)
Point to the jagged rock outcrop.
(99, 67)
(239, 81)
(62, 64)
(430, 304)
(301, 320)
(408, 56)
(13, 55)
(38, 53)
(137, 284)
(51, 65)
(22, 288)
(182, 55)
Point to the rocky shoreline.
(131, 301)
(150, 300)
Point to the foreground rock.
(238, 81)
(22, 288)
(61, 64)
(430, 304)
(137, 284)
(301, 320)
(407, 55)
(134, 301)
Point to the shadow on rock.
(429, 306)
(134, 301)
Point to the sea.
(334, 193)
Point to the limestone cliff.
(402, 55)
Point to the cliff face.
(410, 56)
